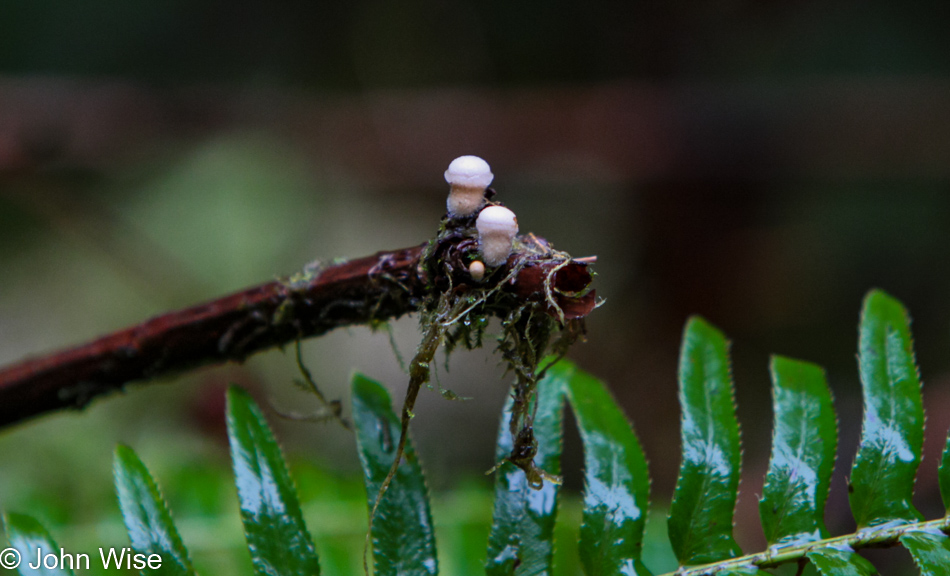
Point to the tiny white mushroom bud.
(468, 177)
(476, 270)
(497, 228)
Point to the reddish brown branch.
(375, 288)
(229, 328)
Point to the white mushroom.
(468, 177)
(476, 270)
(497, 227)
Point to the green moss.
(456, 313)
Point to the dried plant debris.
(540, 295)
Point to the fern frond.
(803, 453)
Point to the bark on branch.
(376, 288)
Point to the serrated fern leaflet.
(26, 536)
(840, 561)
(402, 530)
(273, 524)
(700, 525)
(930, 550)
(616, 481)
(804, 441)
(522, 533)
(147, 519)
(892, 434)
(944, 475)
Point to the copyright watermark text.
(10, 558)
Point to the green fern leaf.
(840, 561)
(892, 435)
(617, 483)
(146, 516)
(273, 524)
(700, 525)
(522, 532)
(931, 551)
(944, 475)
(804, 441)
(26, 535)
(402, 530)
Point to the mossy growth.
(540, 295)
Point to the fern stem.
(882, 536)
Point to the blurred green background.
(763, 164)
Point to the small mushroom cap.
(469, 172)
(477, 270)
(497, 220)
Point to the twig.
(383, 286)
(227, 329)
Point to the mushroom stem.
(497, 227)
(464, 201)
